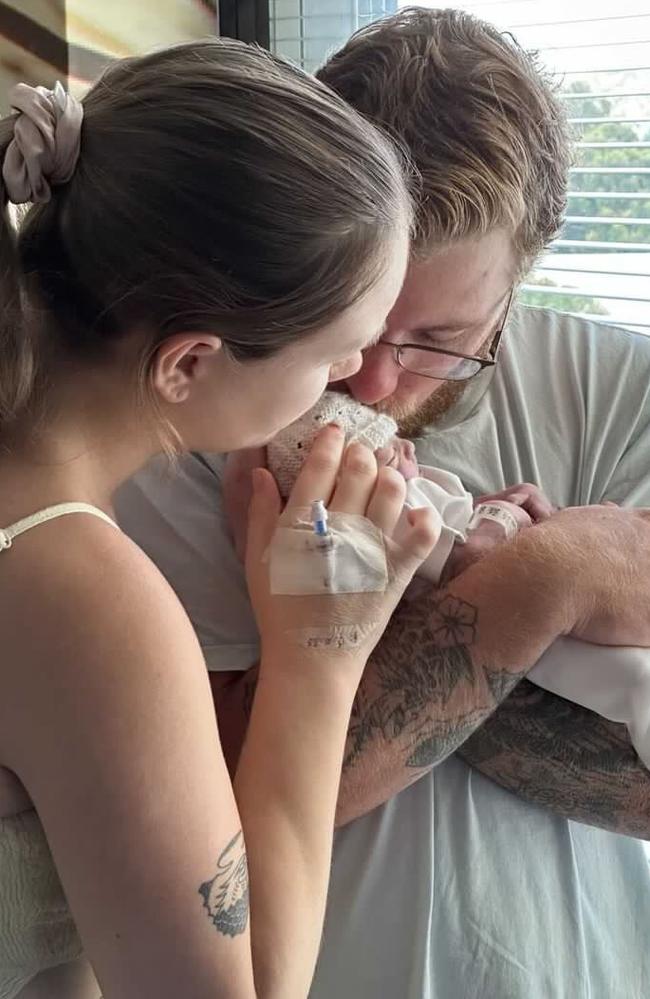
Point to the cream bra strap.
(50, 513)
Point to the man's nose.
(377, 377)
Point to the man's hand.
(608, 550)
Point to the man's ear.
(182, 360)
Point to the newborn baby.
(612, 681)
(466, 530)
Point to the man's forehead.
(425, 308)
(458, 287)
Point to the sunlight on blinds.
(600, 53)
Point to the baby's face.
(399, 454)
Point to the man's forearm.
(446, 660)
(547, 750)
(427, 687)
(557, 754)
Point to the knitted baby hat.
(288, 450)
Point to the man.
(457, 888)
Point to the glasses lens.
(443, 366)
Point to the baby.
(612, 681)
(467, 530)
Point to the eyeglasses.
(447, 365)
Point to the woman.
(212, 226)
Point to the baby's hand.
(499, 519)
(399, 454)
(526, 496)
(502, 521)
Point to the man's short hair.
(478, 116)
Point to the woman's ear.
(181, 361)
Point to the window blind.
(306, 31)
(599, 54)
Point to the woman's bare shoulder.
(69, 566)
(78, 599)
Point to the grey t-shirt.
(457, 889)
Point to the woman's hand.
(330, 626)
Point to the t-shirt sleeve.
(176, 516)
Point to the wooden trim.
(51, 48)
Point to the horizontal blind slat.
(585, 50)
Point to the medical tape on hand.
(491, 511)
(350, 558)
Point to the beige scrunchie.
(45, 146)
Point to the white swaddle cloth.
(612, 680)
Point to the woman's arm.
(106, 717)
(315, 643)
(103, 718)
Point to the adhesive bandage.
(350, 557)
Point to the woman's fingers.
(356, 482)
(317, 477)
(387, 501)
(425, 526)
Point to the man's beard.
(411, 422)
